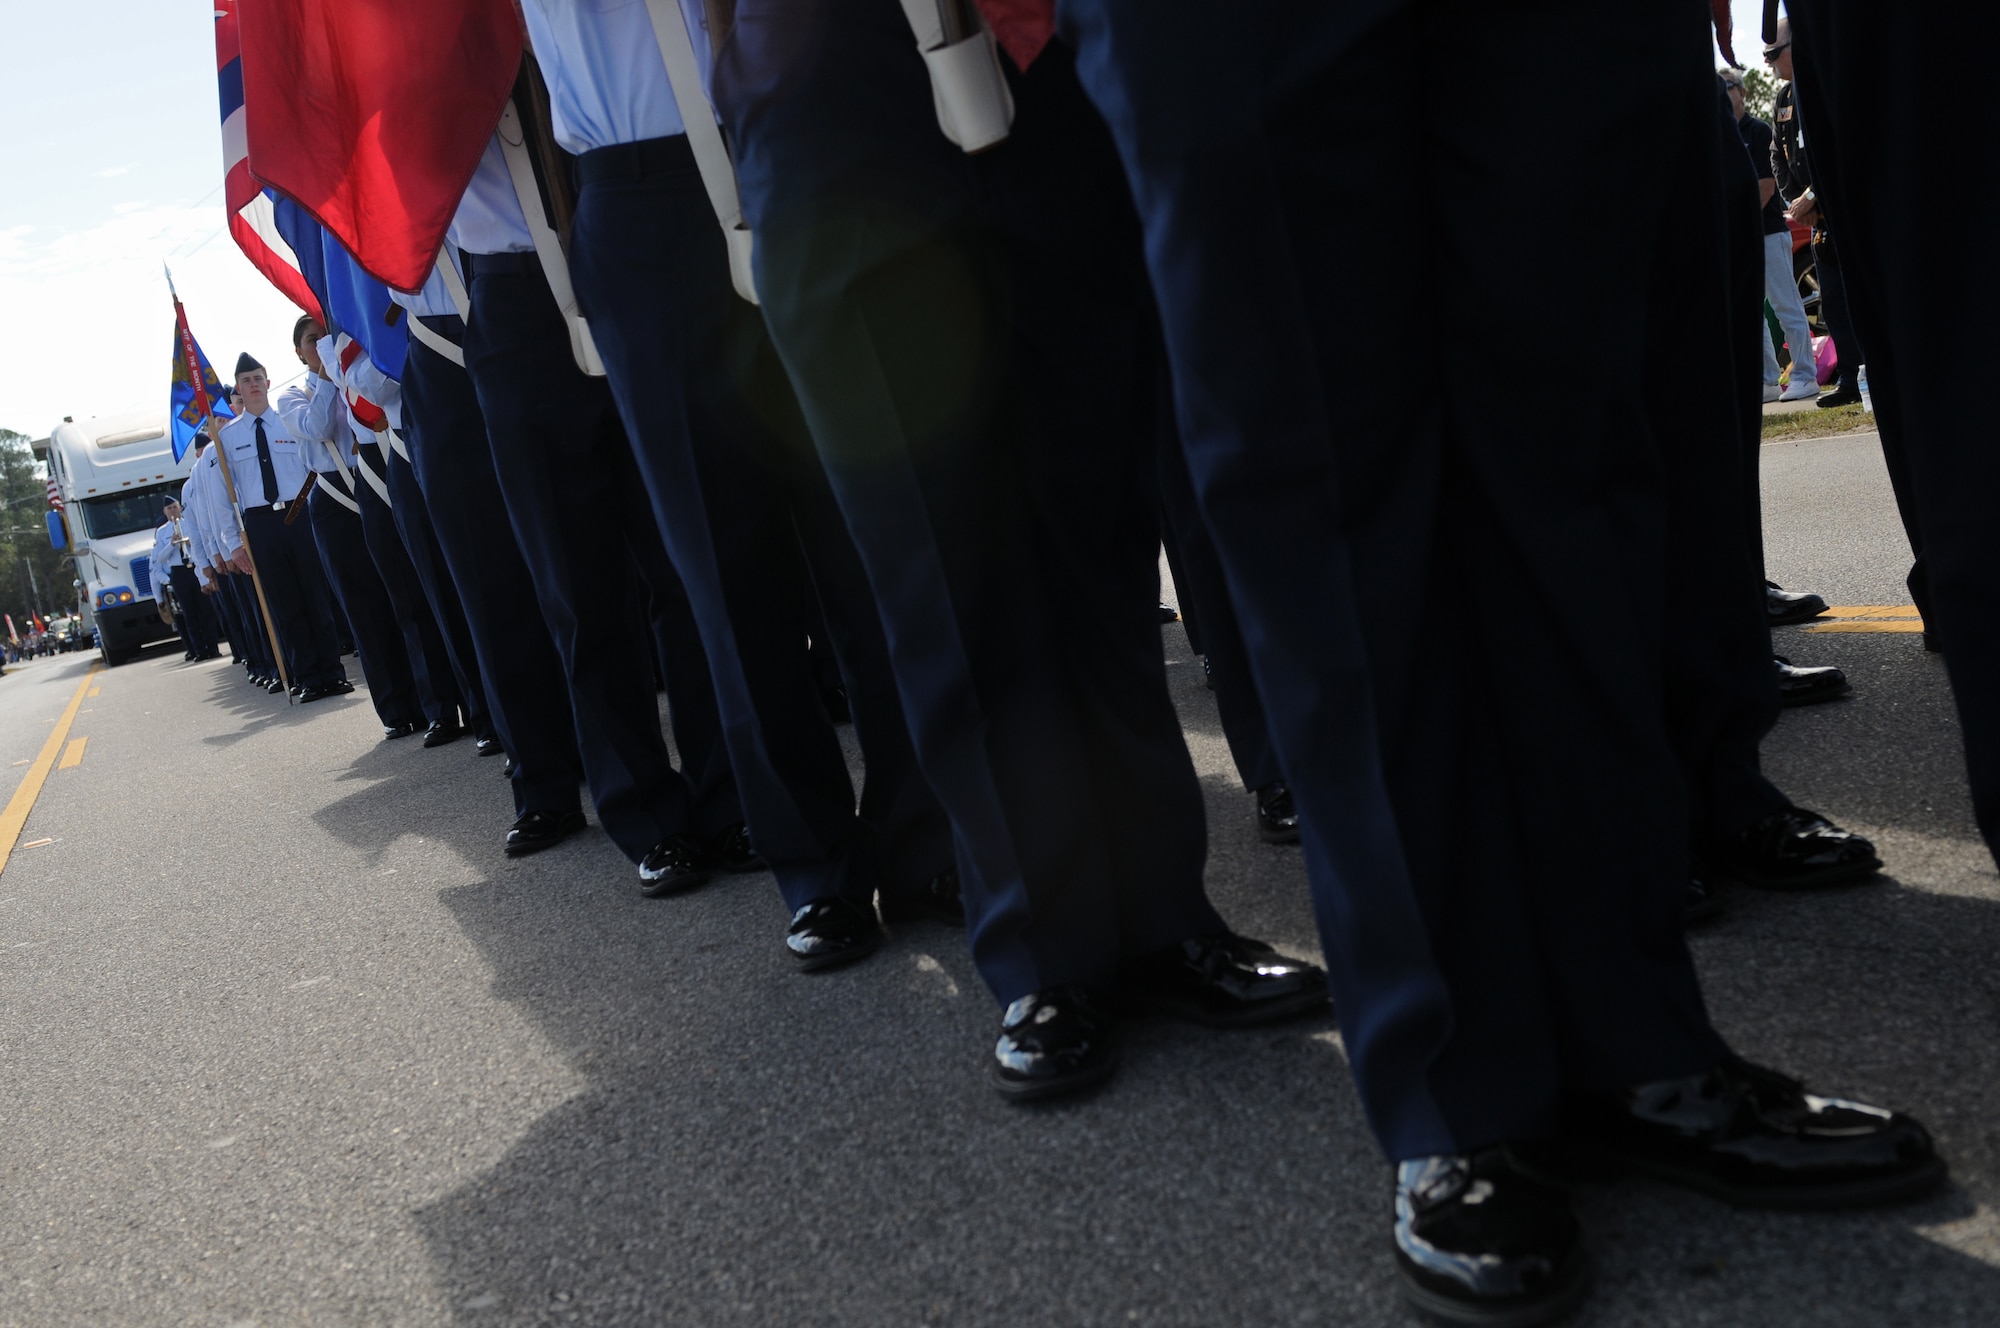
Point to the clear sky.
(111, 163)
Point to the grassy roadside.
(1798, 425)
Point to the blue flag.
(183, 408)
(355, 302)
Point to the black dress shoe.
(1168, 613)
(1754, 1138)
(1277, 818)
(1796, 849)
(936, 900)
(1478, 1241)
(830, 932)
(1219, 982)
(1847, 394)
(1704, 901)
(402, 730)
(340, 685)
(489, 747)
(1052, 1042)
(1789, 606)
(1809, 686)
(274, 685)
(733, 852)
(307, 695)
(536, 831)
(441, 732)
(675, 864)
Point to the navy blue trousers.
(296, 590)
(196, 610)
(698, 389)
(1497, 855)
(579, 509)
(1705, 315)
(972, 346)
(1862, 67)
(520, 672)
(343, 551)
(247, 624)
(413, 523)
(1210, 620)
(423, 644)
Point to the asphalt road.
(285, 1040)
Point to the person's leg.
(1205, 599)
(554, 437)
(910, 831)
(295, 590)
(1451, 513)
(423, 644)
(520, 672)
(343, 551)
(1781, 289)
(679, 346)
(1847, 343)
(1705, 309)
(1875, 150)
(413, 523)
(885, 299)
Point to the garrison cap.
(245, 363)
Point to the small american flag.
(55, 495)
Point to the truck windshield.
(133, 510)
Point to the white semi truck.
(115, 473)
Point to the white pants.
(1781, 288)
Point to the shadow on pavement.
(758, 1146)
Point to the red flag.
(372, 115)
(1022, 27)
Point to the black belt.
(512, 265)
(647, 158)
(449, 326)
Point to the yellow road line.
(16, 814)
(1871, 611)
(72, 754)
(1903, 625)
(95, 690)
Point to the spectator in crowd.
(1792, 169)
(1781, 288)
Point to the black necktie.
(265, 471)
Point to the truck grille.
(142, 576)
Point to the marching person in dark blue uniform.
(322, 413)
(975, 353)
(579, 509)
(209, 497)
(706, 406)
(268, 466)
(1500, 887)
(521, 674)
(1882, 130)
(316, 415)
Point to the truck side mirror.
(58, 537)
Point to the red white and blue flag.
(371, 115)
(250, 209)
